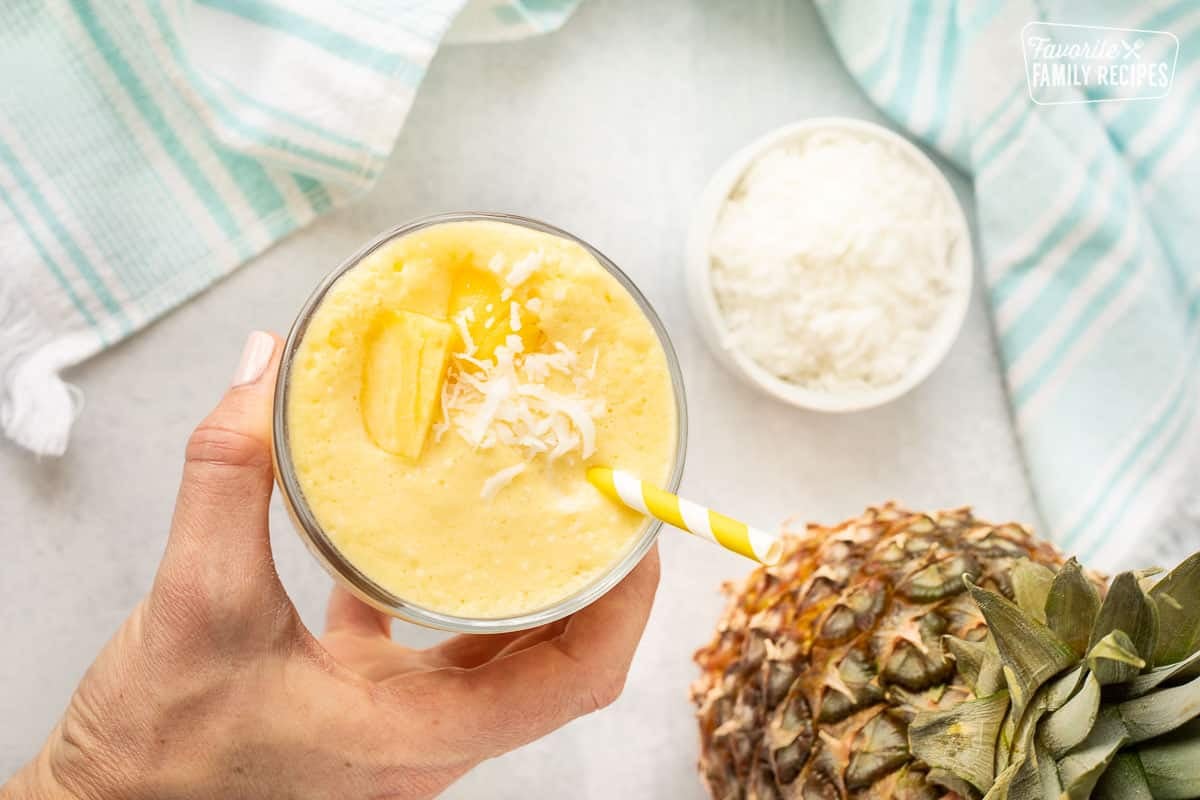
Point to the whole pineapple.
(907, 656)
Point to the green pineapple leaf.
(1123, 780)
(1071, 606)
(1065, 728)
(961, 740)
(1147, 577)
(1031, 586)
(1030, 779)
(1160, 712)
(1171, 764)
(1126, 609)
(1114, 657)
(1177, 597)
(948, 780)
(1004, 781)
(1024, 776)
(1049, 782)
(1030, 651)
(1064, 687)
(1081, 769)
(978, 663)
(1185, 670)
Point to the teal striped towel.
(1089, 215)
(149, 147)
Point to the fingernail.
(256, 354)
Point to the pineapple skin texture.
(820, 662)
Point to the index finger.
(605, 635)
(519, 697)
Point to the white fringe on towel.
(37, 407)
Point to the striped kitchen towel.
(149, 147)
(1088, 206)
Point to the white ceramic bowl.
(712, 323)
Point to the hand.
(214, 688)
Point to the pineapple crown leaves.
(1076, 696)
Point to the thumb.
(219, 532)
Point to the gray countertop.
(609, 128)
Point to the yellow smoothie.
(445, 401)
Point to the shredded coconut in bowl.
(833, 260)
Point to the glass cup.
(353, 579)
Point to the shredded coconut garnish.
(505, 401)
(534, 304)
(498, 481)
(514, 316)
(520, 271)
(588, 334)
(461, 321)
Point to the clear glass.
(350, 576)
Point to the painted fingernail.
(256, 354)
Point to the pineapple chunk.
(406, 358)
(489, 319)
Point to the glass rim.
(342, 568)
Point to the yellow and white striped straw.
(686, 515)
